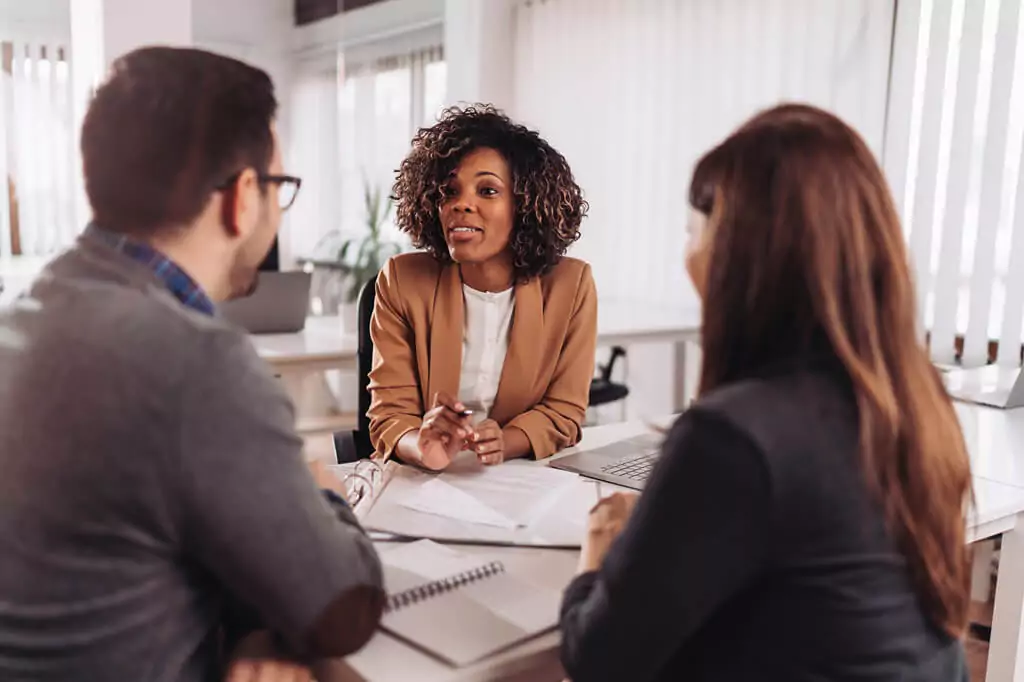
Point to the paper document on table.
(526, 504)
(518, 491)
(440, 498)
(512, 495)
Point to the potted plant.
(361, 258)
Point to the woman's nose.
(462, 204)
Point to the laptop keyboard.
(635, 467)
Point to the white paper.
(439, 498)
(430, 560)
(531, 610)
(512, 495)
(517, 491)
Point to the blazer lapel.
(446, 331)
(518, 375)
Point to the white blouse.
(488, 318)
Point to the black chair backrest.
(367, 298)
(606, 371)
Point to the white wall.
(129, 24)
(35, 20)
(479, 49)
(257, 32)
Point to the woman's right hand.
(443, 433)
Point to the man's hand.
(325, 479)
(443, 433)
(488, 442)
(257, 659)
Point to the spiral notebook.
(461, 608)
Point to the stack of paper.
(512, 495)
(513, 503)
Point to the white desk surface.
(386, 658)
(995, 440)
(625, 322)
(325, 344)
(323, 341)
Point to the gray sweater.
(150, 475)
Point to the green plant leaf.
(343, 252)
(366, 251)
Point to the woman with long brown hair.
(806, 518)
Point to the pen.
(597, 487)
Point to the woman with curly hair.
(485, 339)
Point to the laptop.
(627, 463)
(279, 304)
(994, 386)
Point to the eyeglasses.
(287, 187)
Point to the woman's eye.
(447, 191)
(488, 191)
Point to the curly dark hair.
(549, 205)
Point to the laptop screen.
(271, 263)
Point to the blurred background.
(631, 91)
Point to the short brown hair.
(167, 128)
(549, 205)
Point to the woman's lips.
(463, 233)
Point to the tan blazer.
(417, 332)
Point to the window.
(953, 156)
(36, 149)
(633, 93)
(376, 109)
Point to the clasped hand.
(447, 430)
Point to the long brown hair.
(806, 249)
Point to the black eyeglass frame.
(267, 178)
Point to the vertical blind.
(953, 157)
(634, 91)
(36, 149)
(352, 125)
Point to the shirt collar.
(177, 281)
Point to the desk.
(995, 440)
(998, 511)
(624, 323)
(300, 359)
(325, 345)
(322, 345)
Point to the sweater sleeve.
(697, 537)
(252, 515)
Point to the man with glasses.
(152, 485)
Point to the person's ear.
(241, 204)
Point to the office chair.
(352, 446)
(602, 389)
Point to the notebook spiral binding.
(432, 589)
